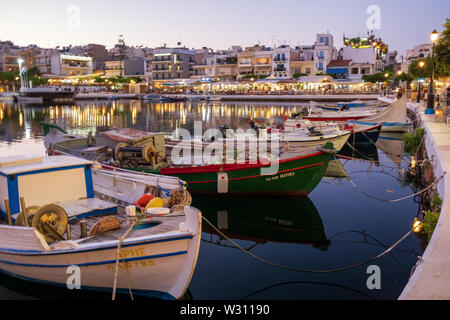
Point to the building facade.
(172, 63)
(70, 65)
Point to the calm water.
(335, 226)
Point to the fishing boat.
(364, 133)
(297, 171)
(66, 216)
(341, 116)
(259, 220)
(393, 118)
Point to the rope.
(393, 200)
(116, 272)
(306, 270)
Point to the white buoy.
(222, 182)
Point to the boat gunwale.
(232, 167)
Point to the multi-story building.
(172, 63)
(368, 55)
(42, 60)
(9, 53)
(339, 68)
(114, 68)
(256, 60)
(62, 64)
(324, 52)
(300, 67)
(418, 52)
(306, 52)
(281, 61)
(263, 62)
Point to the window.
(326, 41)
(354, 70)
(308, 70)
(320, 66)
(321, 40)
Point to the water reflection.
(260, 220)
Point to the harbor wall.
(431, 277)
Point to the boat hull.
(338, 141)
(158, 266)
(295, 176)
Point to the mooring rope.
(306, 270)
(387, 200)
(116, 272)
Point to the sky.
(216, 24)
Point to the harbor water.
(335, 226)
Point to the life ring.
(298, 125)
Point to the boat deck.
(162, 224)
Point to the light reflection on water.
(306, 233)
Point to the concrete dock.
(431, 278)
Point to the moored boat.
(66, 215)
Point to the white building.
(281, 61)
(419, 52)
(62, 64)
(324, 52)
(364, 61)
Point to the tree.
(442, 52)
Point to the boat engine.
(148, 151)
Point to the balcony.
(279, 59)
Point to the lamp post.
(421, 65)
(430, 105)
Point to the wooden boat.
(339, 116)
(261, 220)
(364, 133)
(393, 118)
(63, 197)
(298, 170)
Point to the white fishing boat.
(340, 116)
(393, 118)
(75, 220)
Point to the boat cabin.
(63, 180)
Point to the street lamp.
(430, 105)
(421, 65)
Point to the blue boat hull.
(369, 136)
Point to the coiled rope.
(307, 270)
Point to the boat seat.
(83, 208)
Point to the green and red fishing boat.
(293, 173)
(296, 174)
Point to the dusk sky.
(216, 24)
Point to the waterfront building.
(114, 68)
(9, 53)
(302, 68)
(99, 55)
(418, 52)
(256, 60)
(148, 64)
(281, 60)
(339, 68)
(368, 55)
(172, 63)
(306, 53)
(324, 52)
(70, 65)
(263, 62)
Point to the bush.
(429, 222)
(413, 140)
